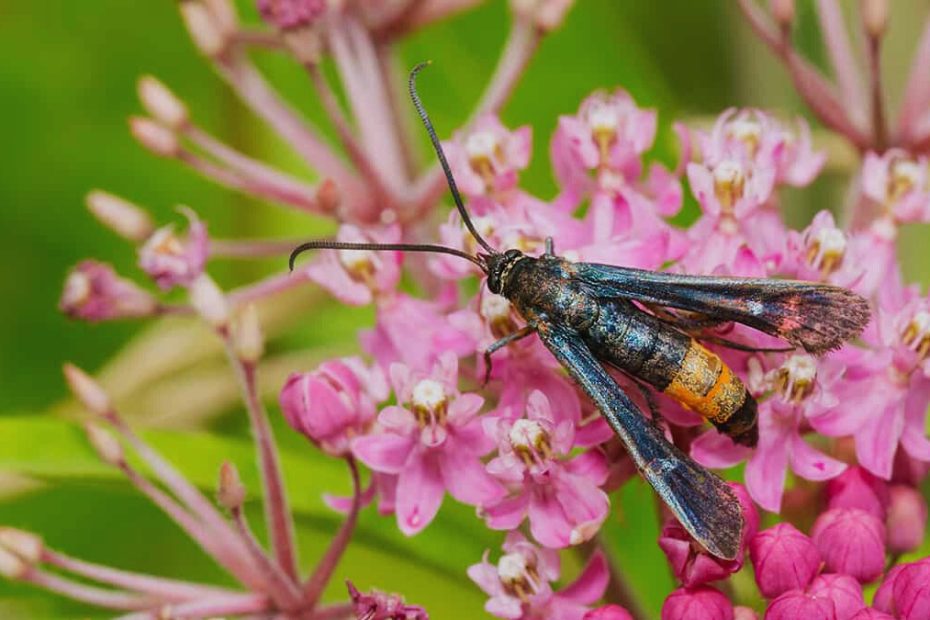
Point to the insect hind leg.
(521, 333)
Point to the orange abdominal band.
(706, 385)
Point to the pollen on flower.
(604, 121)
(905, 176)
(518, 575)
(482, 148)
(826, 250)
(916, 335)
(429, 397)
(729, 183)
(495, 309)
(796, 378)
(746, 130)
(530, 440)
(360, 264)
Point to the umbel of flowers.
(841, 436)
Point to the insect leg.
(550, 248)
(730, 344)
(523, 332)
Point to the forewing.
(703, 503)
(817, 317)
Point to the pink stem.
(334, 612)
(879, 124)
(264, 39)
(265, 288)
(112, 599)
(277, 510)
(811, 85)
(433, 10)
(314, 587)
(209, 607)
(836, 38)
(167, 589)
(251, 248)
(917, 95)
(262, 187)
(288, 594)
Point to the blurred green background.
(67, 84)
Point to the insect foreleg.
(523, 332)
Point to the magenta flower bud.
(868, 613)
(858, 488)
(907, 519)
(843, 590)
(608, 612)
(851, 541)
(94, 292)
(334, 403)
(383, 606)
(744, 613)
(796, 604)
(703, 603)
(783, 559)
(290, 14)
(172, 260)
(905, 594)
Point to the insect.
(647, 325)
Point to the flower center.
(482, 148)
(825, 251)
(485, 227)
(518, 575)
(916, 335)
(78, 289)
(430, 402)
(747, 131)
(729, 184)
(531, 442)
(604, 121)
(359, 264)
(904, 178)
(496, 311)
(796, 378)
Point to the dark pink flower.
(907, 519)
(858, 488)
(519, 585)
(174, 261)
(905, 593)
(432, 441)
(851, 541)
(701, 603)
(287, 14)
(608, 612)
(382, 606)
(692, 565)
(356, 277)
(843, 590)
(334, 403)
(868, 613)
(783, 559)
(559, 494)
(797, 604)
(487, 157)
(94, 292)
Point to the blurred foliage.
(68, 83)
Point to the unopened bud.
(11, 565)
(328, 196)
(121, 216)
(874, 17)
(247, 335)
(209, 302)
(87, 390)
(25, 545)
(155, 137)
(783, 12)
(106, 445)
(224, 14)
(230, 493)
(204, 28)
(161, 103)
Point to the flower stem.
(879, 123)
(252, 248)
(286, 589)
(324, 570)
(208, 607)
(112, 599)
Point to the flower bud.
(701, 603)
(858, 488)
(843, 590)
(905, 594)
(230, 493)
(11, 565)
(209, 302)
(126, 219)
(907, 519)
(851, 541)
(248, 340)
(546, 15)
(25, 545)
(874, 16)
(87, 390)
(377, 605)
(868, 613)
(155, 137)
(796, 604)
(162, 104)
(783, 12)
(173, 261)
(783, 559)
(224, 15)
(608, 612)
(204, 28)
(107, 446)
(94, 292)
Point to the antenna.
(421, 111)
(327, 244)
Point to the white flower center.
(603, 117)
(357, 262)
(527, 434)
(77, 289)
(518, 575)
(826, 250)
(729, 183)
(429, 395)
(905, 176)
(481, 145)
(495, 307)
(511, 567)
(795, 379)
(748, 131)
(916, 335)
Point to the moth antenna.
(424, 117)
(327, 244)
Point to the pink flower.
(288, 14)
(519, 585)
(843, 590)
(905, 592)
(608, 612)
(701, 603)
(783, 559)
(94, 292)
(824, 252)
(796, 604)
(487, 158)
(432, 441)
(355, 277)
(907, 519)
(381, 606)
(334, 403)
(868, 613)
(898, 184)
(858, 488)
(851, 541)
(172, 261)
(692, 565)
(561, 496)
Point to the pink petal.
(591, 583)
(386, 452)
(717, 451)
(419, 494)
(508, 513)
(766, 470)
(813, 464)
(466, 478)
(877, 441)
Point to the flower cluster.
(842, 444)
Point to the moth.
(649, 325)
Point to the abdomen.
(675, 364)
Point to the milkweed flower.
(851, 542)
(171, 260)
(783, 559)
(94, 292)
(487, 158)
(701, 603)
